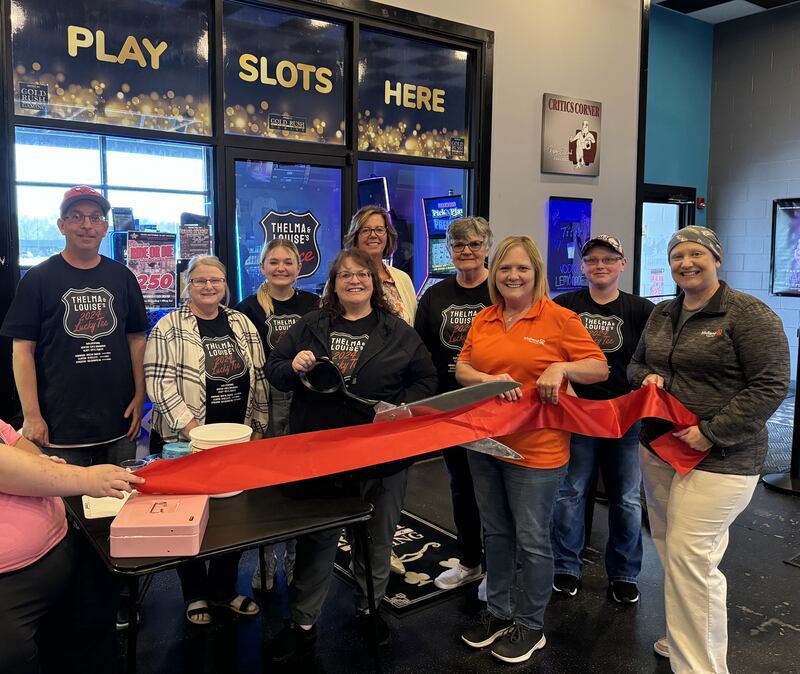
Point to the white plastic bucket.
(216, 435)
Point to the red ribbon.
(263, 463)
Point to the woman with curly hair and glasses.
(380, 357)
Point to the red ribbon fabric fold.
(263, 463)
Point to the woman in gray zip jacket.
(725, 356)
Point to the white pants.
(689, 520)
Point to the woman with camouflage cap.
(725, 356)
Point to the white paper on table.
(107, 506)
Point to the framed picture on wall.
(570, 226)
(785, 261)
(570, 135)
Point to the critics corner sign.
(299, 228)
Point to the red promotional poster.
(151, 258)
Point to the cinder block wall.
(755, 147)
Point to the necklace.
(510, 317)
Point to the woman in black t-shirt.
(381, 358)
(274, 308)
(204, 364)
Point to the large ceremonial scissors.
(325, 377)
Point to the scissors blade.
(492, 448)
(445, 402)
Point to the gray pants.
(279, 402)
(316, 552)
(111, 452)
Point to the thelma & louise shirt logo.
(89, 313)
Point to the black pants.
(57, 614)
(465, 509)
(216, 584)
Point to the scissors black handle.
(329, 379)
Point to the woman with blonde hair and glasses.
(274, 308)
(525, 337)
(371, 231)
(204, 363)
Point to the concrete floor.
(586, 634)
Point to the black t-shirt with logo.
(80, 320)
(285, 315)
(227, 377)
(443, 319)
(347, 341)
(615, 327)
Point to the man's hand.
(134, 410)
(35, 429)
(694, 437)
(109, 480)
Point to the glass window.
(37, 212)
(57, 157)
(160, 211)
(158, 181)
(299, 202)
(137, 163)
(405, 188)
(659, 223)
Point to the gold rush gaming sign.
(134, 63)
(570, 135)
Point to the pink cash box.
(150, 525)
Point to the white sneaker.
(482, 590)
(395, 565)
(661, 647)
(458, 575)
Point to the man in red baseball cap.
(77, 322)
(83, 193)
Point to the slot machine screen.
(430, 281)
(439, 259)
(441, 211)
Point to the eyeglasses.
(591, 261)
(347, 275)
(474, 246)
(369, 231)
(77, 218)
(201, 282)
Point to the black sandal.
(240, 604)
(196, 609)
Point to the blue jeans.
(516, 506)
(618, 461)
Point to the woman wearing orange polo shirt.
(526, 337)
